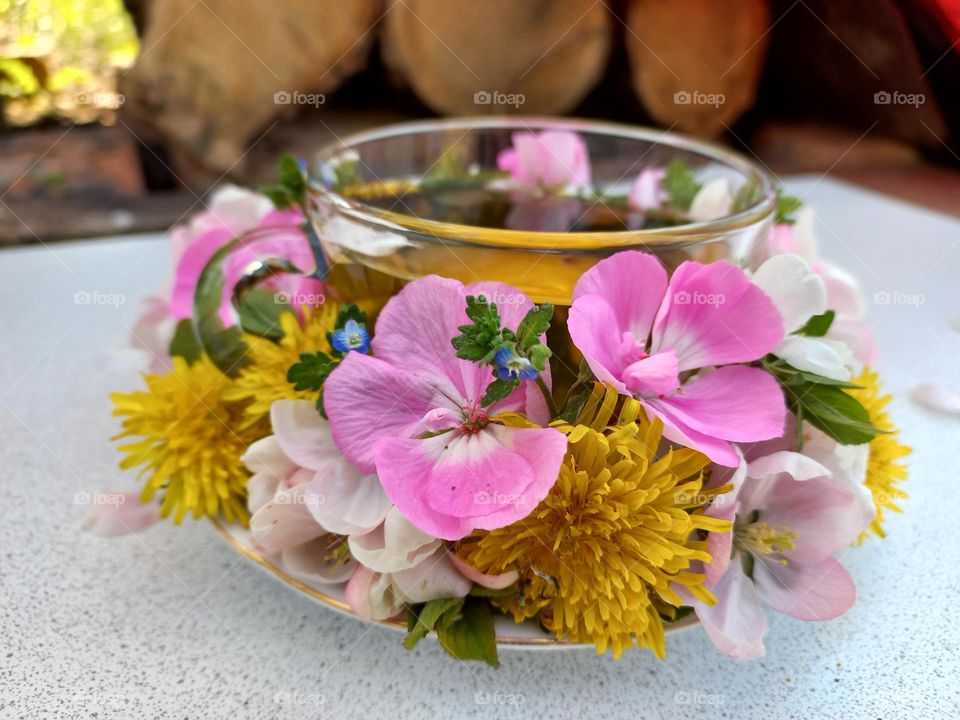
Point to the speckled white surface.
(171, 623)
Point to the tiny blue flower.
(353, 336)
(511, 366)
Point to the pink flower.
(644, 337)
(791, 515)
(412, 414)
(304, 489)
(647, 192)
(234, 211)
(552, 160)
(843, 292)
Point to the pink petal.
(303, 434)
(714, 315)
(153, 331)
(371, 596)
(284, 522)
(434, 578)
(191, 264)
(646, 192)
(735, 403)
(822, 510)
(633, 284)
(261, 488)
(819, 590)
(119, 513)
(594, 329)
(308, 562)
(553, 158)
(368, 399)
(393, 546)
(653, 375)
(266, 456)
(450, 484)
(345, 501)
(493, 582)
(737, 623)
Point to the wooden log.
(213, 75)
(697, 63)
(498, 56)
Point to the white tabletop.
(172, 623)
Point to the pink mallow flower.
(790, 516)
(646, 192)
(412, 414)
(234, 211)
(645, 337)
(303, 489)
(551, 161)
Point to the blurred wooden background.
(865, 90)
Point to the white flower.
(712, 201)
(799, 294)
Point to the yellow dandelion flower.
(189, 443)
(600, 557)
(264, 378)
(884, 469)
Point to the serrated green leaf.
(680, 184)
(421, 619)
(534, 324)
(471, 635)
(818, 325)
(497, 390)
(350, 312)
(311, 372)
(539, 355)
(185, 343)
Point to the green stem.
(551, 405)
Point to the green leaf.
(680, 184)
(497, 390)
(345, 174)
(185, 343)
(480, 340)
(534, 324)
(350, 312)
(311, 372)
(421, 619)
(836, 413)
(481, 591)
(291, 186)
(539, 355)
(470, 635)
(571, 411)
(260, 312)
(787, 206)
(818, 325)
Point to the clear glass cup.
(372, 248)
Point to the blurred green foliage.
(61, 58)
